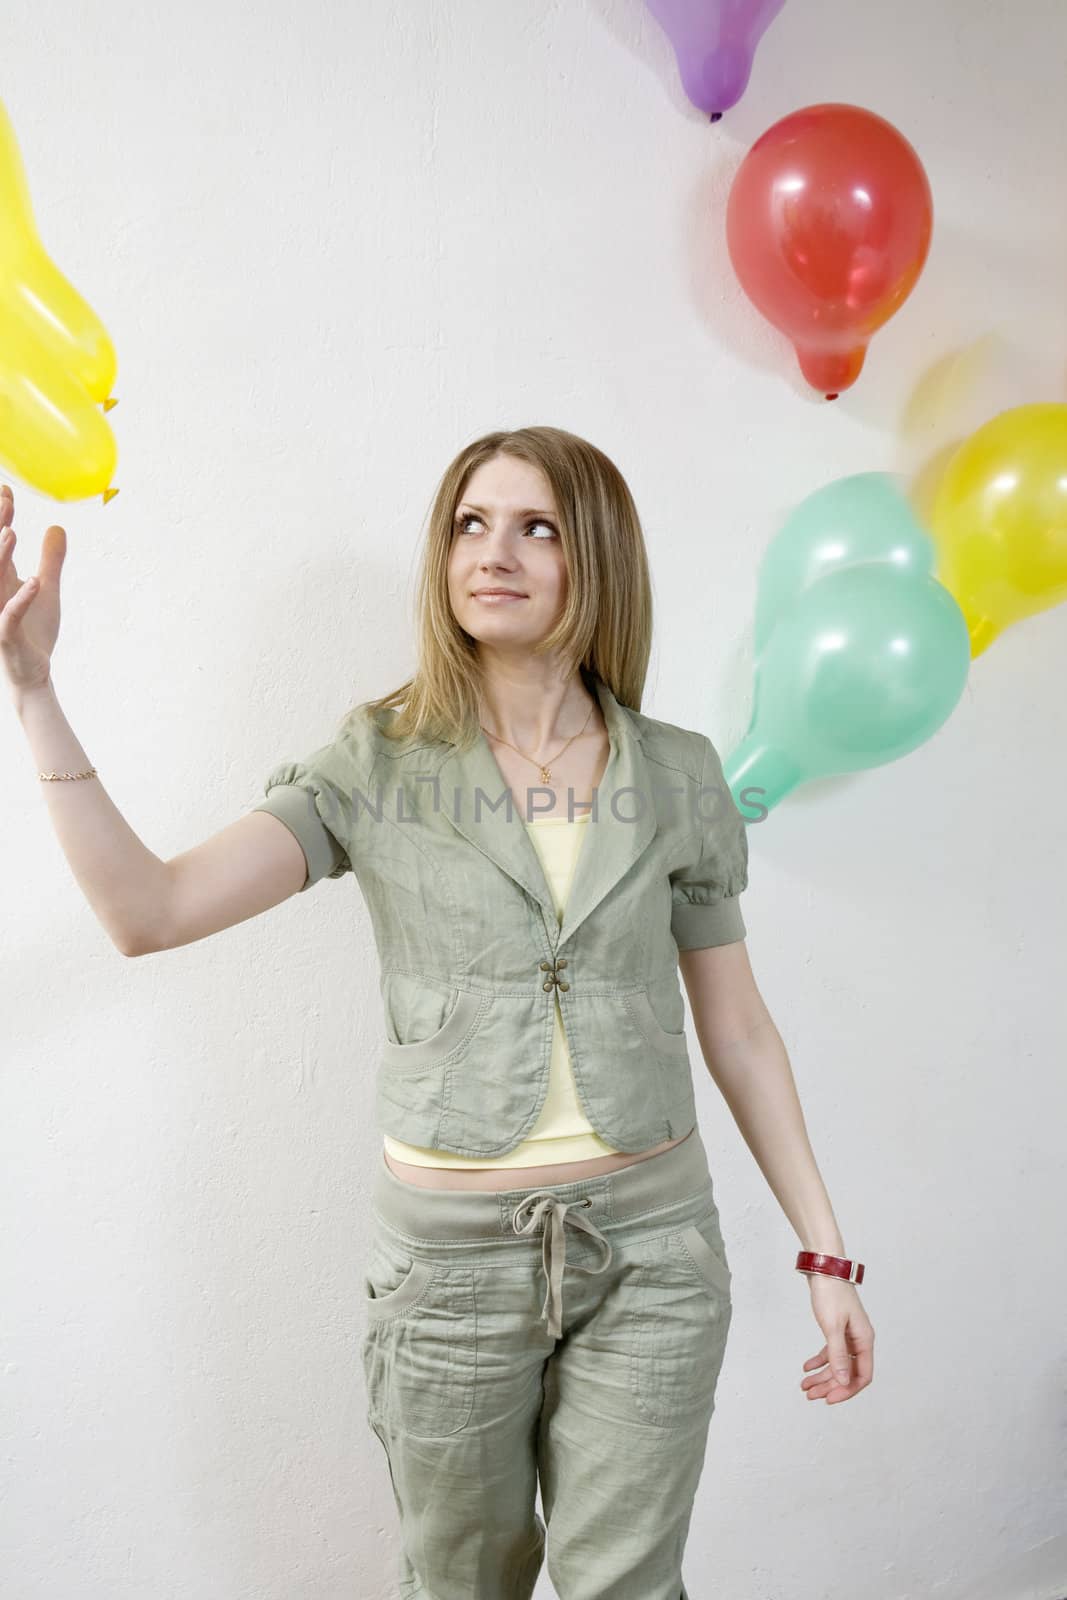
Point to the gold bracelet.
(57, 777)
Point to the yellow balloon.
(57, 363)
(1000, 520)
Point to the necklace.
(546, 776)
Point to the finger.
(7, 506)
(859, 1378)
(816, 1387)
(827, 1376)
(8, 572)
(824, 1391)
(863, 1367)
(839, 1361)
(20, 601)
(822, 1387)
(832, 1389)
(819, 1360)
(53, 554)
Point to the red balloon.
(828, 225)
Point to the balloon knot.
(715, 116)
(831, 397)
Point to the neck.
(534, 709)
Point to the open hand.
(849, 1346)
(29, 610)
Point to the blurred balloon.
(57, 363)
(866, 665)
(828, 225)
(1000, 520)
(853, 520)
(714, 43)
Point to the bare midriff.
(520, 1177)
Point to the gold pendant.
(546, 776)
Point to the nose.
(497, 568)
(495, 553)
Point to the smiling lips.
(495, 596)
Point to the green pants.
(572, 1334)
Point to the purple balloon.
(714, 42)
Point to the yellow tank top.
(562, 1132)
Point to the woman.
(548, 1295)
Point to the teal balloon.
(865, 667)
(853, 520)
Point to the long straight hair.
(605, 629)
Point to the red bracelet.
(832, 1266)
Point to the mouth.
(496, 596)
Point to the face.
(506, 537)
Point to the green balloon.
(867, 664)
(851, 521)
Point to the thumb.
(839, 1361)
(53, 554)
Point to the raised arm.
(146, 904)
(143, 903)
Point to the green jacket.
(472, 954)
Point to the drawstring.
(554, 1247)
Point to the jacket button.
(554, 968)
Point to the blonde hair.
(606, 625)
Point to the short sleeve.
(705, 906)
(308, 796)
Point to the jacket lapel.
(611, 844)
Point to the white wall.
(332, 244)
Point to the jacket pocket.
(662, 1041)
(454, 1032)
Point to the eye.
(535, 522)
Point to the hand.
(849, 1343)
(29, 611)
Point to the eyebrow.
(529, 512)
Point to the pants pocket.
(393, 1278)
(702, 1242)
(680, 1324)
(419, 1346)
